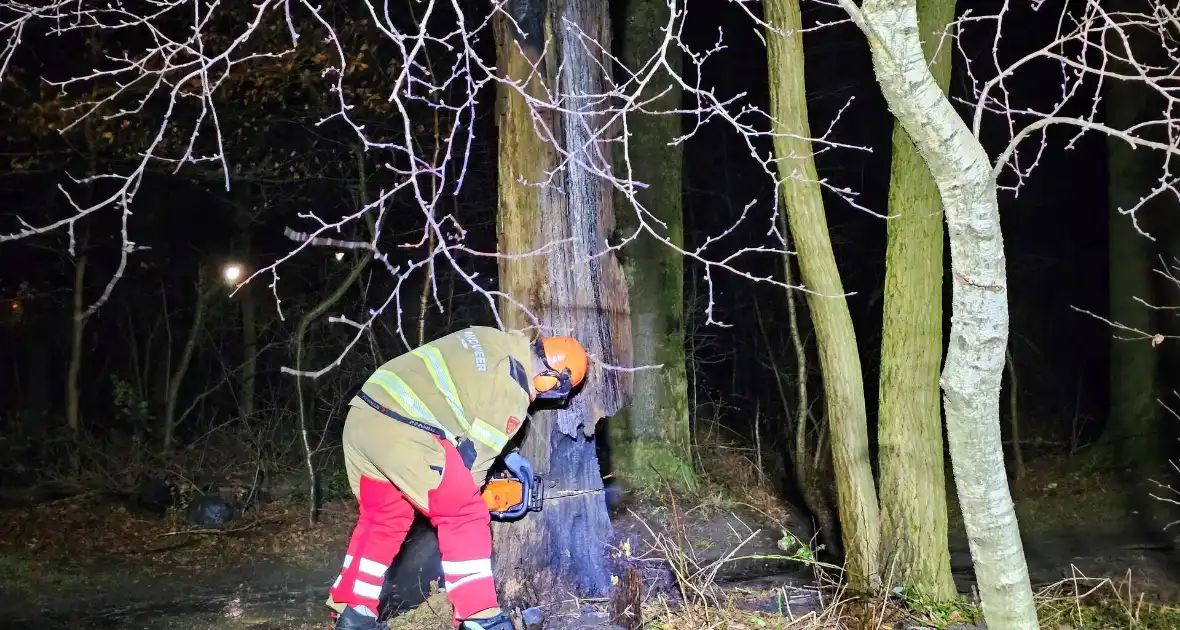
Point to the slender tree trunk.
(809, 475)
(694, 391)
(1013, 418)
(73, 411)
(559, 553)
(650, 439)
(78, 326)
(249, 349)
(843, 382)
(204, 293)
(330, 300)
(914, 539)
(979, 305)
(248, 305)
(301, 364)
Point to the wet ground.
(85, 562)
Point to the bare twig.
(177, 82)
(219, 532)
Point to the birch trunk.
(979, 305)
(914, 545)
(844, 400)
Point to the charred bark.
(561, 551)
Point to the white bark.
(979, 309)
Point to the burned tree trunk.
(561, 551)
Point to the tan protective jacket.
(473, 383)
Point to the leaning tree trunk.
(650, 440)
(979, 305)
(205, 290)
(856, 495)
(77, 324)
(301, 398)
(560, 552)
(914, 545)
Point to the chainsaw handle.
(519, 465)
(513, 512)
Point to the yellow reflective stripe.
(442, 380)
(489, 435)
(406, 398)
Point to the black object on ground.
(209, 511)
(154, 496)
(417, 564)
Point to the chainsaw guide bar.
(510, 497)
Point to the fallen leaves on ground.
(90, 531)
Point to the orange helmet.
(567, 361)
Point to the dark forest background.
(142, 347)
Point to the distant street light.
(232, 272)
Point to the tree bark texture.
(914, 540)
(650, 439)
(844, 400)
(559, 553)
(979, 306)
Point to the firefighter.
(421, 434)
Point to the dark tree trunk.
(560, 552)
(1132, 438)
(650, 441)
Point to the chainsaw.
(514, 491)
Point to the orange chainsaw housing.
(503, 494)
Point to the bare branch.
(178, 80)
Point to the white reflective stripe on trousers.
(367, 590)
(470, 570)
(463, 567)
(373, 568)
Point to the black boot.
(499, 622)
(350, 619)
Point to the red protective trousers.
(457, 511)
